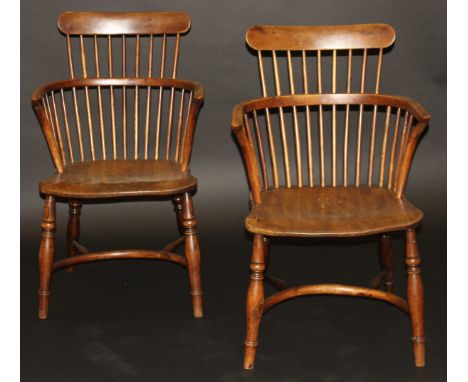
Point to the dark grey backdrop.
(130, 322)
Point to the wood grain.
(330, 212)
(359, 36)
(118, 23)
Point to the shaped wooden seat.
(327, 156)
(119, 178)
(330, 212)
(116, 130)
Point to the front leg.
(255, 299)
(192, 254)
(415, 295)
(46, 255)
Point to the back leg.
(386, 261)
(73, 229)
(178, 208)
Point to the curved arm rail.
(196, 87)
(334, 289)
(400, 152)
(56, 122)
(328, 99)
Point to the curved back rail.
(117, 44)
(328, 140)
(309, 58)
(81, 122)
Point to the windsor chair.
(120, 133)
(329, 164)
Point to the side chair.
(324, 161)
(117, 131)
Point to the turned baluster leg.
(46, 255)
(386, 261)
(192, 254)
(255, 298)
(178, 208)
(73, 229)
(415, 295)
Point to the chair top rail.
(297, 38)
(127, 23)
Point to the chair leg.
(415, 295)
(46, 255)
(255, 298)
(192, 254)
(73, 229)
(266, 251)
(386, 261)
(179, 210)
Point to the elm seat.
(330, 211)
(116, 178)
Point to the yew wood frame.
(77, 253)
(257, 304)
(307, 42)
(90, 26)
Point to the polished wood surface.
(327, 37)
(46, 254)
(73, 228)
(110, 23)
(394, 101)
(348, 46)
(328, 158)
(122, 126)
(255, 300)
(386, 261)
(118, 178)
(330, 212)
(56, 86)
(117, 255)
(122, 44)
(192, 253)
(415, 293)
(334, 289)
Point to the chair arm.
(195, 87)
(329, 99)
(196, 96)
(417, 112)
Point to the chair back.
(120, 104)
(116, 44)
(82, 120)
(324, 56)
(308, 140)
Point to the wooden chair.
(119, 138)
(329, 164)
